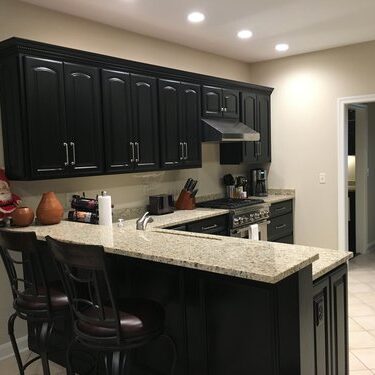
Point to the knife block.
(185, 201)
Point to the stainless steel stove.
(242, 214)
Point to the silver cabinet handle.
(182, 151)
(133, 152)
(225, 109)
(222, 109)
(137, 147)
(73, 146)
(66, 154)
(280, 208)
(186, 150)
(281, 226)
(210, 227)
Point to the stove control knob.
(257, 215)
(251, 218)
(236, 221)
(267, 213)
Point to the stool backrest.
(84, 273)
(23, 264)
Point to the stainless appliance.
(258, 183)
(242, 214)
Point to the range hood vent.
(224, 130)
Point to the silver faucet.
(143, 221)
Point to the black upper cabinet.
(190, 115)
(218, 102)
(180, 136)
(83, 118)
(69, 113)
(44, 87)
(171, 132)
(212, 102)
(255, 112)
(145, 120)
(231, 105)
(117, 118)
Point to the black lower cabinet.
(221, 325)
(331, 323)
(280, 227)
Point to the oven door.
(244, 232)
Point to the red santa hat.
(8, 201)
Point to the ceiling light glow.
(244, 34)
(196, 17)
(282, 47)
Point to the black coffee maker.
(258, 183)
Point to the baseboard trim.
(6, 349)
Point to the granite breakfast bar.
(233, 306)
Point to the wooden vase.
(50, 210)
(22, 216)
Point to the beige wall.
(371, 176)
(304, 129)
(131, 190)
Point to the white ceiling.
(307, 25)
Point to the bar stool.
(34, 300)
(101, 322)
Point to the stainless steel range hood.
(224, 130)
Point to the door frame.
(342, 156)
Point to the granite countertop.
(254, 260)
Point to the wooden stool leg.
(115, 363)
(11, 320)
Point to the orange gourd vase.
(50, 210)
(22, 216)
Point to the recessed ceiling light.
(282, 47)
(196, 17)
(244, 34)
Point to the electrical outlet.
(322, 178)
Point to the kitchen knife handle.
(66, 154)
(72, 144)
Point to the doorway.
(356, 114)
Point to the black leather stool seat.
(27, 301)
(138, 318)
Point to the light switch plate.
(322, 178)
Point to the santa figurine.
(8, 201)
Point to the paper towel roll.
(105, 209)
(254, 232)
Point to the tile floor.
(361, 323)
(362, 315)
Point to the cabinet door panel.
(171, 137)
(144, 96)
(84, 125)
(322, 324)
(191, 123)
(46, 116)
(249, 117)
(117, 120)
(264, 127)
(212, 102)
(231, 103)
(339, 314)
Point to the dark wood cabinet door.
(146, 133)
(44, 86)
(117, 119)
(212, 102)
(339, 314)
(264, 127)
(84, 124)
(231, 103)
(249, 117)
(171, 137)
(191, 124)
(322, 325)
